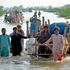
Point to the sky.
(32, 3)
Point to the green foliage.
(2, 11)
(63, 12)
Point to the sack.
(66, 46)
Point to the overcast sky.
(29, 3)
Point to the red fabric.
(60, 56)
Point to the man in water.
(35, 25)
(43, 37)
(39, 14)
(20, 31)
(58, 44)
(21, 17)
(16, 42)
(5, 18)
(4, 44)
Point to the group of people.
(14, 17)
(44, 38)
(52, 44)
(11, 43)
(35, 23)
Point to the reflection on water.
(27, 62)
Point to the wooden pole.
(27, 28)
(43, 20)
(48, 25)
(68, 36)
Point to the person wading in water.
(16, 42)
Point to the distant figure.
(42, 38)
(48, 21)
(35, 13)
(5, 18)
(17, 17)
(20, 31)
(21, 17)
(4, 44)
(16, 42)
(58, 45)
(8, 18)
(39, 14)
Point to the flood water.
(26, 62)
(31, 63)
